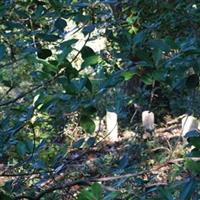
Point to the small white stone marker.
(148, 120)
(112, 126)
(189, 123)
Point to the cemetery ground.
(137, 165)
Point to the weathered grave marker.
(112, 125)
(189, 123)
(148, 120)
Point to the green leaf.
(165, 194)
(94, 192)
(159, 44)
(111, 196)
(88, 29)
(29, 145)
(39, 165)
(67, 43)
(88, 85)
(68, 86)
(147, 79)
(48, 37)
(2, 51)
(192, 81)
(143, 55)
(92, 60)
(87, 124)
(86, 194)
(187, 190)
(21, 148)
(97, 190)
(55, 4)
(91, 141)
(139, 37)
(192, 165)
(64, 54)
(192, 133)
(157, 55)
(89, 110)
(60, 24)
(87, 52)
(123, 162)
(169, 41)
(195, 141)
(4, 195)
(79, 83)
(78, 143)
(128, 75)
(44, 53)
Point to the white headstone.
(148, 120)
(189, 123)
(112, 126)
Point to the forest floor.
(134, 166)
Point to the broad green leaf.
(60, 24)
(192, 81)
(65, 52)
(87, 52)
(48, 37)
(192, 165)
(92, 60)
(68, 43)
(139, 37)
(78, 143)
(89, 110)
(128, 75)
(44, 53)
(86, 194)
(147, 79)
(47, 67)
(21, 148)
(82, 18)
(159, 44)
(4, 195)
(88, 85)
(88, 29)
(39, 164)
(70, 72)
(91, 141)
(87, 124)
(68, 86)
(123, 162)
(55, 4)
(195, 152)
(111, 196)
(29, 145)
(97, 190)
(187, 190)
(94, 192)
(195, 141)
(166, 194)
(192, 133)
(143, 55)
(14, 25)
(157, 55)
(169, 41)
